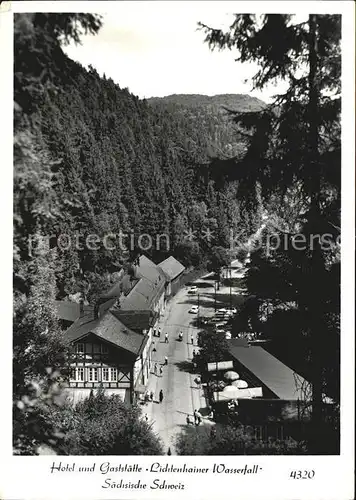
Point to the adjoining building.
(283, 403)
(149, 291)
(173, 271)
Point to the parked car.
(194, 309)
(192, 290)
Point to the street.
(181, 395)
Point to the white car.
(194, 309)
(193, 289)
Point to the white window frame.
(105, 370)
(76, 371)
(91, 372)
(113, 374)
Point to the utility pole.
(215, 297)
(198, 310)
(230, 287)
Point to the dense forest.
(93, 159)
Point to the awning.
(220, 365)
(255, 392)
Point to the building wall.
(94, 363)
(143, 364)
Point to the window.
(104, 349)
(79, 348)
(77, 374)
(96, 348)
(105, 373)
(93, 374)
(113, 374)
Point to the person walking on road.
(188, 420)
(192, 339)
(165, 360)
(151, 395)
(146, 417)
(160, 396)
(155, 368)
(160, 371)
(166, 338)
(159, 332)
(194, 353)
(196, 417)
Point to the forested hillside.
(113, 162)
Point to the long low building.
(279, 381)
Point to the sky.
(155, 49)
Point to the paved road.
(181, 395)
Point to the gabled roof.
(135, 320)
(69, 311)
(171, 268)
(124, 285)
(148, 269)
(109, 328)
(150, 285)
(279, 378)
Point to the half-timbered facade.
(110, 349)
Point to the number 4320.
(302, 474)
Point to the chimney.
(81, 308)
(96, 310)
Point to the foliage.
(230, 440)
(219, 258)
(213, 347)
(293, 153)
(104, 425)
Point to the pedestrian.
(194, 353)
(156, 368)
(180, 336)
(198, 381)
(154, 332)
(166, 338)
(147, 396)
(188, 420)
(160, 396)
(195, 416)
(192, 339)
(146, 417)
(169, 452)
(151, 395)
(165, 360)
(160, 371)
(154, 346)
(159, 332)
